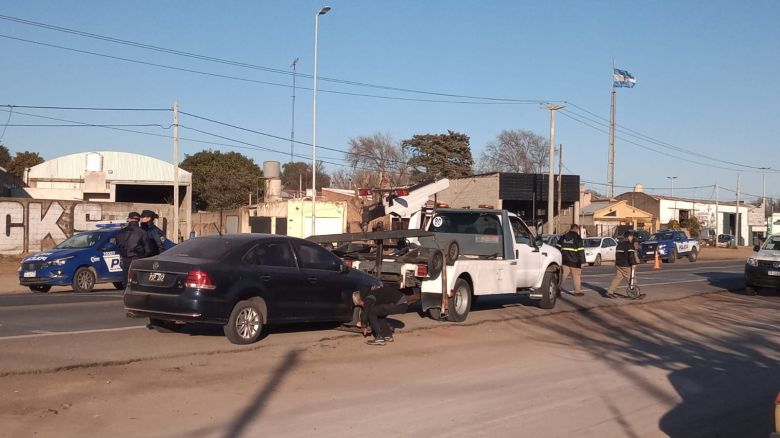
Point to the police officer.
(155, 235)
(625, 257)
(573, 256)
(132, 243)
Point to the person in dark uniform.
(155, 234)
(573, 256)
(376, 305)
(132, 243)
(625, 257)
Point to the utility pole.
(560, 184)
(739, 224)
(611, 158)
(322, 11)
(551, 179)
(717, 212)
(292, 121)
(176, 171)
(763, 193)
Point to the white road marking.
(76, 332)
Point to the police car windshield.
(592, 243)
(81, 240)
(663, 236)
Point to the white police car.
(81, 261)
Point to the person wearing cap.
(573, 256)
(155, 234)
(132, 243)
(625, 257)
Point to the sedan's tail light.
(422, 270)
(199, 280)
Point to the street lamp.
(674, 210)
(551, 181)
(323, 11)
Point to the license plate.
(156, 276)
(29, 274)
(774, 273)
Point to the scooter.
(633, 289)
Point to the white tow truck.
(455, 255)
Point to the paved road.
(31, 315)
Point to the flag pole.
(611, 158)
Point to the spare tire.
(453, 252)
(435, 263)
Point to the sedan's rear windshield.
(205, 248)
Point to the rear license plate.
(29, 274)
(774, 273)
(156, 276)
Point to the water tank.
(639, 188)
(94, 162)
(271, 169)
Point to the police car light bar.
(110, 225)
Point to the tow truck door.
(528, 256)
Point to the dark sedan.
(243, 281)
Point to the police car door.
(106, 261)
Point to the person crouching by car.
(155, 234)
(377, 304)
(573, 256)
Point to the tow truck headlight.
(752, 261)
(59, 262)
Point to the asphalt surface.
(29, 315)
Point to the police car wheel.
(118, 285)
(83, 280)
(43, 288)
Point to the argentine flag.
(622, 78)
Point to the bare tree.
(516, 151)
(341, 179)
(377, 161)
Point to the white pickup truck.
(484, 252)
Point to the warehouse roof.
(117, 166)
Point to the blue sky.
(706, 70)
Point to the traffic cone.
(657, 262)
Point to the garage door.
(325, 225)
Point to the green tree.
(5, 157)
(23, 161)
(297, 172)
(222, 180)
(437, 156)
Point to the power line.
(87, 125)
(248, 65)
(82, 108)
(255, 81)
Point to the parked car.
(725, 241)
(550, 239)
(762, 268)
(598, 249)
(670, 245)
(81, 261)
(242, 282)
(708, 237)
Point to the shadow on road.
(260, 401)
(723, 365)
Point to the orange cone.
(657, 262)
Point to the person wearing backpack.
(132, 243)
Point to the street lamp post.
(322, 11)
(674, 210)
(551, 181)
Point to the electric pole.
(551, 178)
(611, 158)
(739, 225)
(176, 171)
(560, 184)
(292, 122)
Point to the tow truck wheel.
(83, 280)
(694, 255)
(42, 288)
(434, 313)
(460, 302)
(549, 290)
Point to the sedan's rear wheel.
(246, 321)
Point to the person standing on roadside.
(625, 258)
(573, 256)
(155, 234)
(132, 243)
